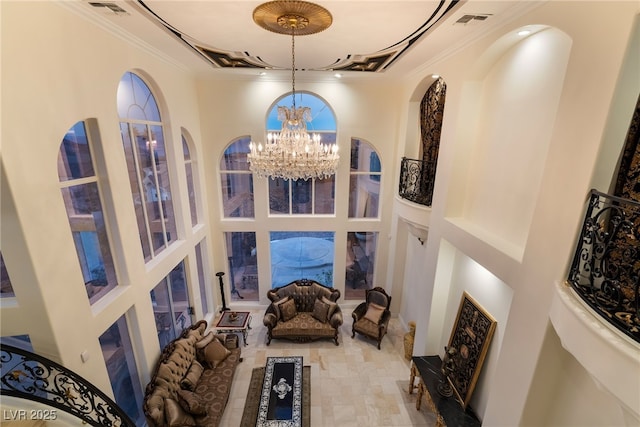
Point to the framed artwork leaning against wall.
(468, 346)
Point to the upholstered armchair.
(371, 318)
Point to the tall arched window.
(81, 195)
(237, 180)
(314, 196)
(191, 170)
(144, 145)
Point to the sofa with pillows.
(303, 310)
(192, 380)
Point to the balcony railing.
(606, 265)
(416, 180)
(28, 376)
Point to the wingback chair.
(371, 318)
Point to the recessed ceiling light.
(524, 32)
(263, 73)
(337, 75)
(435, 76)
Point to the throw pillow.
(288, 310)
(278, 304)
(204, 341)
(192, 402)
(176, 416)
(332, 306)
(214, 353)
(200, 345)
(374, 312)
(192, 376)
(320, 311)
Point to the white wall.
(513, 175)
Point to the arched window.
(81, 195)
(144, 145)
(364, 183)
(191, 170)
(314, 196)
(237, 180)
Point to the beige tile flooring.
(353, 384)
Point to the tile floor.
(353, 384)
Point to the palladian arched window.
(143, 138)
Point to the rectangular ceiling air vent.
(110, 6)
(469, 18)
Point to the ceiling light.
(524, 32)
(292, 153)
(337, 75)
(435, 76)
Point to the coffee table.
(281, 397)
(241, 323)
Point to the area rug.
(252, 403)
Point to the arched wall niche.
(507, 115)
(412, 146)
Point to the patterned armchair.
(371, 318)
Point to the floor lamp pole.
(224, 301)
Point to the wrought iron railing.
(28, 376)
(416, 180)
(606, 266)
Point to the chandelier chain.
(292, 153)
(293, 64)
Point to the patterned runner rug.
(252, 403)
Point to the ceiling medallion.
(308, 18)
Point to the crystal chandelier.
(293, 153)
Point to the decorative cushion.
(332, 306)
(193, 375)
(176, 416)
(277, 305)
(320, 310)
(204, 341)
(374, 312)
(214, 353)
(192, 403)
(288, 309)
(200, 345)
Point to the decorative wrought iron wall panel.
(28, 376)
(415, 182)
(606, 265)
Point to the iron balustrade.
(28, 376)
(417, 178)
(606, 265)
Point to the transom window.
(144, 145)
